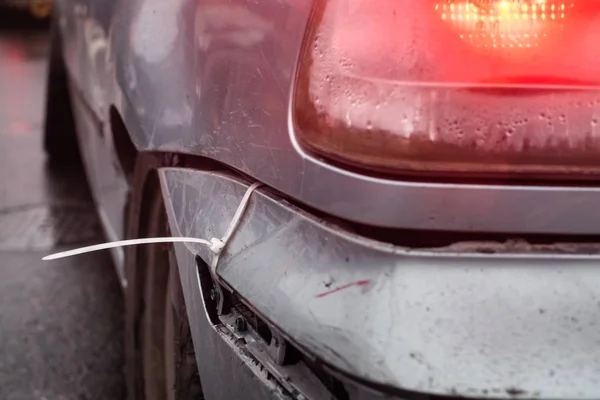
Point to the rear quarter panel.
(214, 78)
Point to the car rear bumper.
(449, 322)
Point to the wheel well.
(150, 285)
(147, 213)
(124, 147)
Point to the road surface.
(61, 323)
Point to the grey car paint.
(225, 72)
(214, 79)
(427, 321)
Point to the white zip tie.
(215, 245)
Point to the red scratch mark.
(20, 128)
(346, 286)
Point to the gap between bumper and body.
(435, 322)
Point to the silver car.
(427, 225)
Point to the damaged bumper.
(450, 323)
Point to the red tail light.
(445, 87)
(506, 26)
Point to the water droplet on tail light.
(438, 90)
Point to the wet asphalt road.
(61, 323)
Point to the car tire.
(164, 354)
(60, 139)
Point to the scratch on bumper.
(491, 325)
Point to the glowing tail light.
(440, 87)
(505, 24)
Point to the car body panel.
(485, 326)
(215, 79)
(85, 28)
(108, 186)
(224, 370)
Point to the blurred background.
(61, 323)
